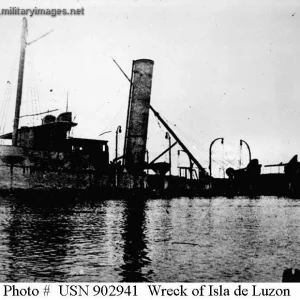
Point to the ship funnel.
(138, 115)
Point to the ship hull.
(21, 168)
(49, 173)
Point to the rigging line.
(32, 96)
(228, 162)
(215, 161)
(180, 121)
(221, 164)
(7, 96)
(45, 112)
(116, 115)
(234, 159)
(188, 137)
(193, 142)
(222, 159)
(34, 104)
(30, 103)
(6, 109)
(37, 91)
(35, 101)
(240, 158)
(26, 103)
(231, 165)
(182, 133)
(97, 109)
(235, 164)
(3, 125)
(3, 106)
(196, 143)
(37, 39)
(7, 91)
(162, 144)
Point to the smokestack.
(138, 115)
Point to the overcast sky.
(222, 69)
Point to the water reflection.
(136, 259)
(37, 248)
(194, 240)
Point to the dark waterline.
(185, 240)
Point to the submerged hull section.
(22, 178)
(29, 170)
(21, 168)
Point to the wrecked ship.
(45, 157)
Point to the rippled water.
(184, 239)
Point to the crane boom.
(190, 155)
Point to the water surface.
(185, 240)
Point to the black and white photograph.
(147, 141)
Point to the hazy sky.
(222, 69)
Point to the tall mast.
(20, 83)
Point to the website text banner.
(150, 290)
